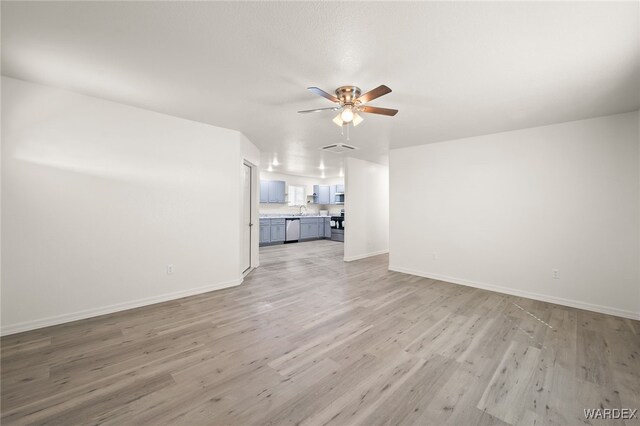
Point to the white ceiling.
(456, 69)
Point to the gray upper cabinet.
(324, 195)
(264, 191)
(321, 194)
(332, 194)
(338, 198)
(276, 191)
(272, 191)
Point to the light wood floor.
(309, 339)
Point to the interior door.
(246, 218)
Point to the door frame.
(251, 167)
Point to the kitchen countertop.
(290, 216)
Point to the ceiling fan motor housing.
(348, 94)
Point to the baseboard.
(89, 313)
(520, 293)
(362, 256)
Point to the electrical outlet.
(555, 274)
(169, 269)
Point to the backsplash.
(269, 208)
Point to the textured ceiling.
(456, 69)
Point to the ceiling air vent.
(339, 148)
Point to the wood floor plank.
(308, 338)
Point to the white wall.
(98, 198)
(366, 209)
(502, 211)
(307, 182)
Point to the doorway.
(247, 225)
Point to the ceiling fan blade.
(377, 110)
(373, 94)
(324, 94)
(319, 110)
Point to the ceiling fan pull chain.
(348, 131)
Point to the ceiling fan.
(350, 103)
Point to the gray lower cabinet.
(265, 231)
(277, 230)
(274, 230)
(308, 228)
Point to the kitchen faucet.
(303, 207)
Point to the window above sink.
(297, 196)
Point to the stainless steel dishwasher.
(292, 230)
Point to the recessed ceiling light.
(270, 169)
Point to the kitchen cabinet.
(277, 230)
(324, 195)
(274, 229)
(276, 191)
(272, 191)
(339, 197)
(308, 228)
(336, 194)
(265, 231)
(264, 191)
(332, 194)
(321, 194)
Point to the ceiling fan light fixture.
(347, 115)
(351, 104)
(357, 119)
